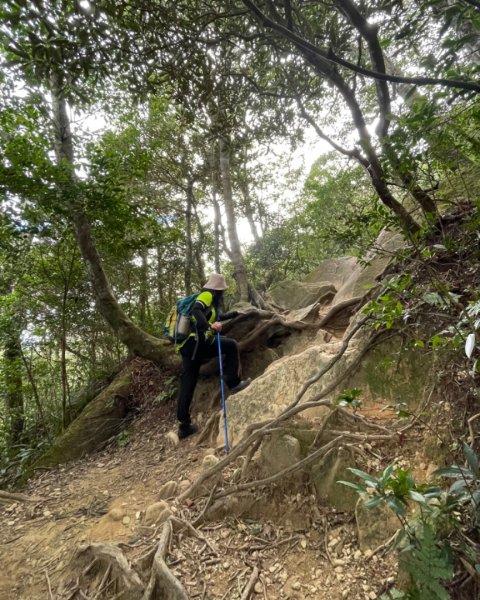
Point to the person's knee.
(231, 345)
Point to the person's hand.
(217, 326)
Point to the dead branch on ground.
(13, 497)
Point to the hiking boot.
(186, 429)
(241, 386)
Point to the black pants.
(193, 356)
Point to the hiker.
(201, 345)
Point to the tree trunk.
(33, 385)
(63, 351)
(216, 208)
(159, 279)
(12, 365)
(137, 341)
(143, 297)
(199, 246)
(188, 239)
(249, 209)
(239, 269)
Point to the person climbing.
(200, 345)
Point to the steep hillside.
(336, 386)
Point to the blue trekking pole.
(224, 406)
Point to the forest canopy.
(204, 104)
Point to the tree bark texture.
(240, 271)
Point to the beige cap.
(216, 282)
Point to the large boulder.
(363, 275)
(319, 286)
(389, 373)
(292, 294)
(272, 392)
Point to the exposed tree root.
(284, 472)
(163, 584)
(336, 308)
(257, 431)
(251, 582)
(251, 340)
(210, 426)
(114, 557)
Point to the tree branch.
(329, 58)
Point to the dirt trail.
(39, 538)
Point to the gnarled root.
(116, 561)
(163, 584)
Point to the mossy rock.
(396, 374)
(325, 476)
(101, 419)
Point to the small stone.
(225, 565)
(10, 523)
(105, 492)
(209, 462)
(183, 485)
(168, 490)
(372, 596)
(296, 585)
(154, 511)
(338, 569)
(303, 544)
(345, 593)
(258, 587)
(126, 520)
(47, 513)
(116, 514)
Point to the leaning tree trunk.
(240, 271)
(137, 341)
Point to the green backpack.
(178, 323)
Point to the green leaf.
(363, 475)
(453, 471)
(396, 506)
(417, 497)
(373, 502)
(355, 486)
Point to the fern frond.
(427, 565)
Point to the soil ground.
(69, 505)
